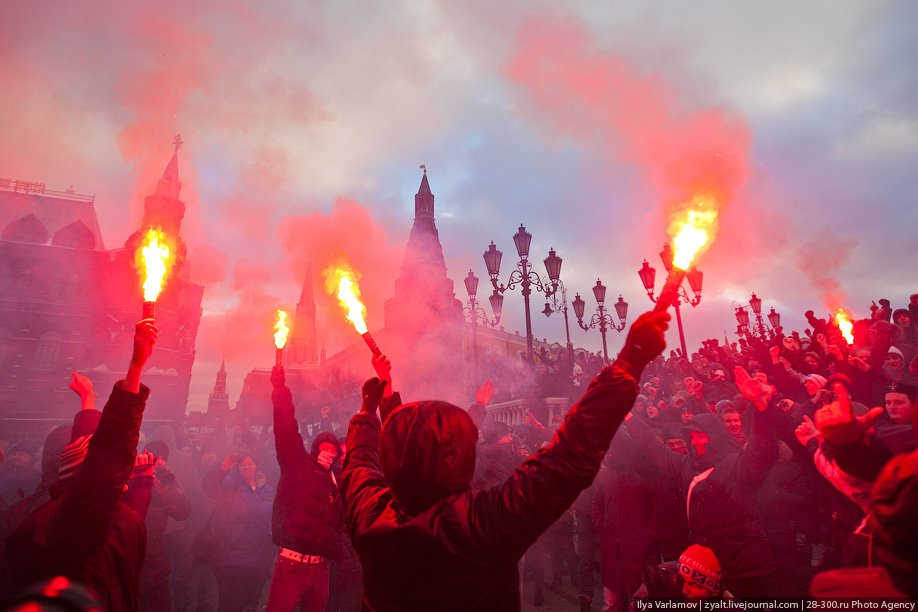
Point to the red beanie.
(699, 565)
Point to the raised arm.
(287, 437)
(363, 486)
(90, 505)
(546, 485)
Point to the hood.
(427, 452)
(721, 445)
(325, 436)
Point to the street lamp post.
(695, 278)
(552, 303)
(523, 275)
(474, 312)
(601, 317)
(757, 328)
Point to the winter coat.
(86, 532)
(722, 510)
(168, 503)
(242, 517)
(621, 517)
(894, 506)
(308, 512)
(427, 542)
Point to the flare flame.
(281, 330)
(341, 281)
(154, 260)
(845, 325)
(693, 229)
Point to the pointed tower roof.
(424, 199)
(424, 189)
(222, 366)
(169, 185)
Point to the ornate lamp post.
(474, 312)
(695, 278)
(601, 317)
(523, 275)
(757, 328)
(553, 304)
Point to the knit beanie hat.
(73, 456)
(816, 378)
(699, 565)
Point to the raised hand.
(145, 333)
(82, 386)
(144, 464)
(484, 393)
(754, 390)
(383, 368)
(836, 421)
(806, 431)
(645, 339)
(372, 393)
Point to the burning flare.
(281, 330)
(693, 229)
(155, 259)
(845, 325)
(341, 281)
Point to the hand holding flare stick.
(281, 332)
(341, 283)
(692, 234)
(154, 259)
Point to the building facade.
(69, 304)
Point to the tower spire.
(424, 198)
(169, 186)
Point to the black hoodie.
(721, 506)
(425, 540)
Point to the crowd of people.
(781, 465)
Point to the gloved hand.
(645, 340)
(372, 393)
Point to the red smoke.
(350, 234)
(681, 148)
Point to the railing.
(20, 186)
(515, 412)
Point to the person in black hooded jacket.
(308, 513)
(428, 542)
(86, 532)
(718, 484)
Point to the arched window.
(75, 236)
(26, 229)
(48, 351)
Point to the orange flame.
(281, 330)
(693, 229)
(845, 325)
(341, 281)
(154, 260)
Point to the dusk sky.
(305, 124)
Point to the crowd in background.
(797, 502)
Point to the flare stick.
(372, 344)
(670, 291)
(279, 357)
(149, 310)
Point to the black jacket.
(308, 512)
(460, 552)
(722, 510)
(86, 532)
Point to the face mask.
(325, 458)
